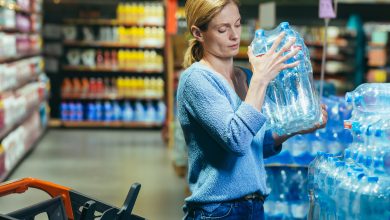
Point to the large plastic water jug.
(291, 103)
(370, 97)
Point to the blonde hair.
(199, 13)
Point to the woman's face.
(222, 37)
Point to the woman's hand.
(317, 125)
(280, 139)
(266, 67)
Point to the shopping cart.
(67, 204)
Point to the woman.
(220, 114)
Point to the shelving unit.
(23, 86)
(107, 47)
(378, 52)
(92, 124)
(110, 70)
(108, 44)
(109, 22)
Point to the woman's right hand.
(266, 67)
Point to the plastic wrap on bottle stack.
(291, 103)
(356, 185)
(287, 198)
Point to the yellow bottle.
(132, 87)
(120, 59)
(120, 12)
(119, 86)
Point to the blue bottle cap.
(285, 25)
(348, 97)
(368, 161)
(358, 169)
(356, 126)
(372, 179)
(378, 133)
(259, 33)
(340, 163)
(360, 176)
(347, 153)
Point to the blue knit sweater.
(226, 138)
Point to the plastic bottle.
(291, 103)
(99, 111)
(150, 112)
(108, 111)
(370, 97)
(117, 116)
(161, 111)
(91, 112)
(139, 112)
(128, 112)
(65, 114)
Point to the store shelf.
(318, 57)
(335, 42)
(109, 69)
(5, 131)
(100, 124)
(109, 97)
(21, 84)
(113, 22)
(16, 7)
(20, 57)
(15, 30)
(4, 176)
(109, 45)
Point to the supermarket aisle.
(103, 164)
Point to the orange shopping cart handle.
(54, 190)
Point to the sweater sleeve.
(269, 148)
(208, 104)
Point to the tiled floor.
(103, 164)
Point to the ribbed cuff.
(252, 118)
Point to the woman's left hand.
(318, 125)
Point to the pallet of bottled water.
(356, 185)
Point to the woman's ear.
(197, 33)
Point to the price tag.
(326, 9)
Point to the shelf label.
(326, 9)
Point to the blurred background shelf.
(109, 45)
(109, 69)
(93, 124)
(81, 21)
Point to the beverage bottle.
(139, 111)
(150, 112)
(161, 111)
(117, 111)
(370, 97)
(99, 111)
(128, 112)
(108, 111)
(291, 103)
(65, 111)
(79, 112)
(91, 112)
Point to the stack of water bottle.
(356, 185)
(291, 103)
(288, 196)
(301, 149)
